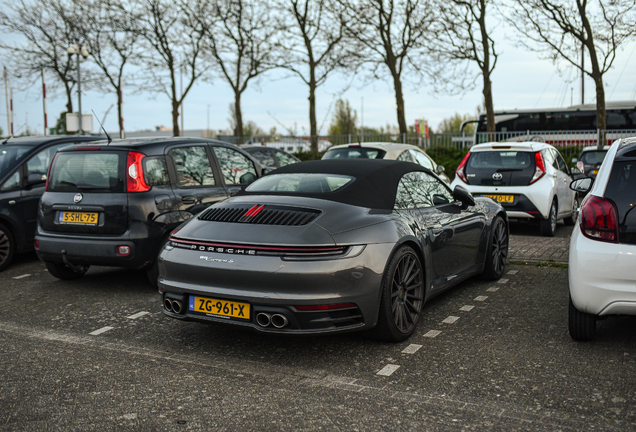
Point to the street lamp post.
(78, 49)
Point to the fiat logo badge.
(77, 198)
(497, 176)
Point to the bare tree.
(240, 40)
(173, 46)
(46, 37)
(108, 29)
(392, 35)
(313, 47)
(564, 29)
(463, 40)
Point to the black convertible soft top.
(374, 187)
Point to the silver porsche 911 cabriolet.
(331, 246)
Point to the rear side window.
(593, 157)
(355, 153)
(284, 158)
(234, 166)
(77, 171)
(193, 166)
(422, 160)
(155, 171)
(10, 154)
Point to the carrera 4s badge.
(210, 259)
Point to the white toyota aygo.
(603, 243)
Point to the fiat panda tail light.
(599, 219)
(135, 173)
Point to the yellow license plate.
(83, 218)
(222, 308)
(502, 198)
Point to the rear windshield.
(621, 188)
(593, 157)
(300, 183)
(9, 154)
(76, 171)
(501, 159)
(500, 168)
(355, 153)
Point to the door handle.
(188, 199)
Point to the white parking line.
(467, 308)
(481, 298)
(493, 289)
(138, 315)
(388, 370)
(411, 349)
(502, 281)
(450, 320)
(513, 272)
(432, 333)
(22, 276)
(101, 330)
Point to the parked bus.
(575, 125)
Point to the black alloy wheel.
(497, 253)
(548, 226)
(402, 297)
(7, 247)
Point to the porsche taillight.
(461, 169)
(599, 219)
(539, 167)
(135, 181)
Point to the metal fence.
(561, 139)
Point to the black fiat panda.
(115, 203)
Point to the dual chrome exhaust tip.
(264, 319)
(173, 305)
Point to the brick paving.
(539, 249)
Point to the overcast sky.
(521, 80)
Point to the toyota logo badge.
(77, 198)
(497, 176)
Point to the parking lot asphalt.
(98, 354)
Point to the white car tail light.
(461, 169)
(598, 219)
(539, 170)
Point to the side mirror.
(439, 169)
(247, 178)
(575, 170)
(35, 179)
(463, 196)
(582, 185)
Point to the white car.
(603, 244)
(392, 151)
(529, 179)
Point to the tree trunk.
(120, 120)
(69, 97)
(490, 110)
(175, 118)
(313, 128)
(238, 128)
(399, 101)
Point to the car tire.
(402, 297)
(152, 272)
(7, 247)
(582, 325)
(497, 252)
(570, 221)
(63, 272)
(548, 226)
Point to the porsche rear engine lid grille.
(261, 214)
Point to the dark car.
(270, 157)
(590, 161)
(24, 163)
(114, 204)
(332, 246)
